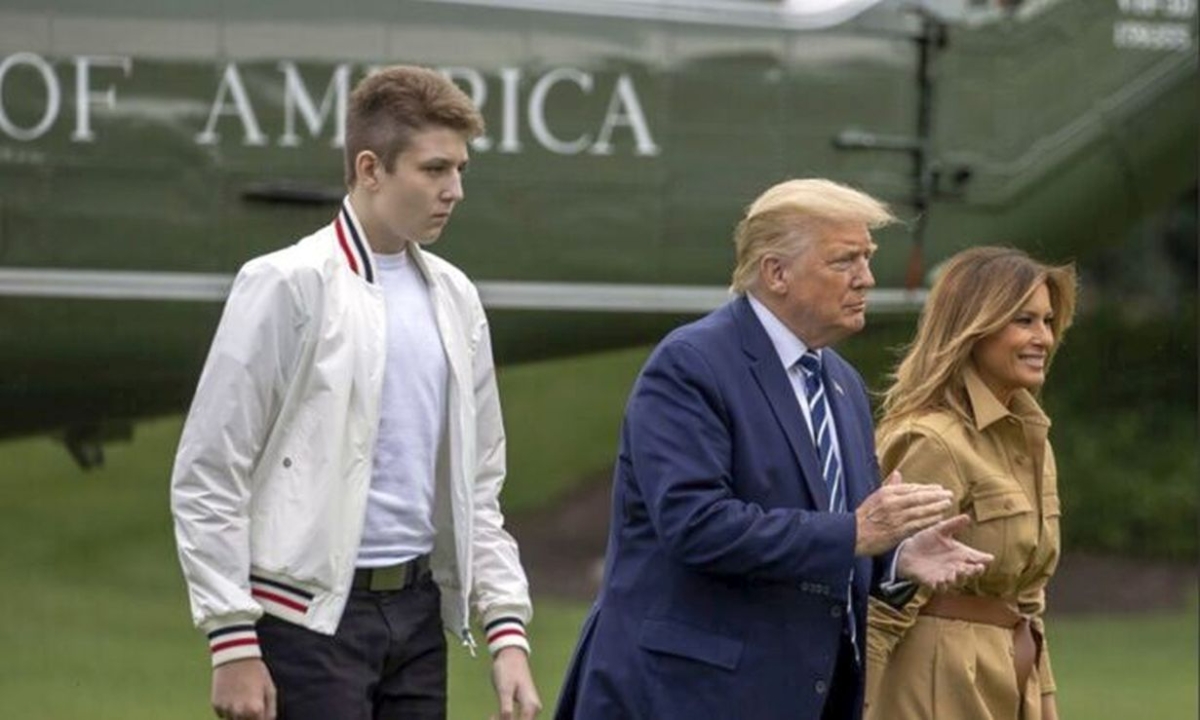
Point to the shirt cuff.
(893, 591)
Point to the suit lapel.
(768, 372)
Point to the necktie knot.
(810, 362)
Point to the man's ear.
(367, 169)
(773, 275)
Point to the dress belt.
(1027, 644)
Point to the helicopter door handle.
(285, 192)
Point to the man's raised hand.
(895, 511)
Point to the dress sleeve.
(921, 457)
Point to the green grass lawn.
(1142, 667)
(97, 624)
(563, 418)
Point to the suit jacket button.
(820, 687)
(836, 611)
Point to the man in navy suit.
(748, 521)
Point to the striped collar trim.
(353, 243)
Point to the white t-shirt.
(399, 522)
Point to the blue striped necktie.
(822, 429)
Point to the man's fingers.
(907, 497)
(908, 500)
(506, 704)
(975, 569)
(924, 495)
(924, 514)
(911, 522)
(530, 704)
(915, 522)
(979, 557)
(962, 571)
(529, 710)
(272, 709)
(903, 488)
(893, 479)
(954, 525)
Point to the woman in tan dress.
(962, 413)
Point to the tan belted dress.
(1001, 470)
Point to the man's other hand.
(243, 690)
(515, 691)
(934, 558)
(895, 511)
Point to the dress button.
(287, 462)
(820, 687)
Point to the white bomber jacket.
(269, 488)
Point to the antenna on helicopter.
(930, 40)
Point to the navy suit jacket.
(725, 580)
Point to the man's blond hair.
(785, 218)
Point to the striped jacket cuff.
(234, 642)
(280, 599)
(506, 632)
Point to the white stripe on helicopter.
(496, 294)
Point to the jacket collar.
(987, 409)
(787, 345)
(772, 379)
(356, 251)
(352, 241)
(755, 341)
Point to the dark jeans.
(387, 660)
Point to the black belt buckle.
(391, 578)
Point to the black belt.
(392, 577)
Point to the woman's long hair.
(978, 292)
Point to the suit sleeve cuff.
(233, 642)
(506, 632)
